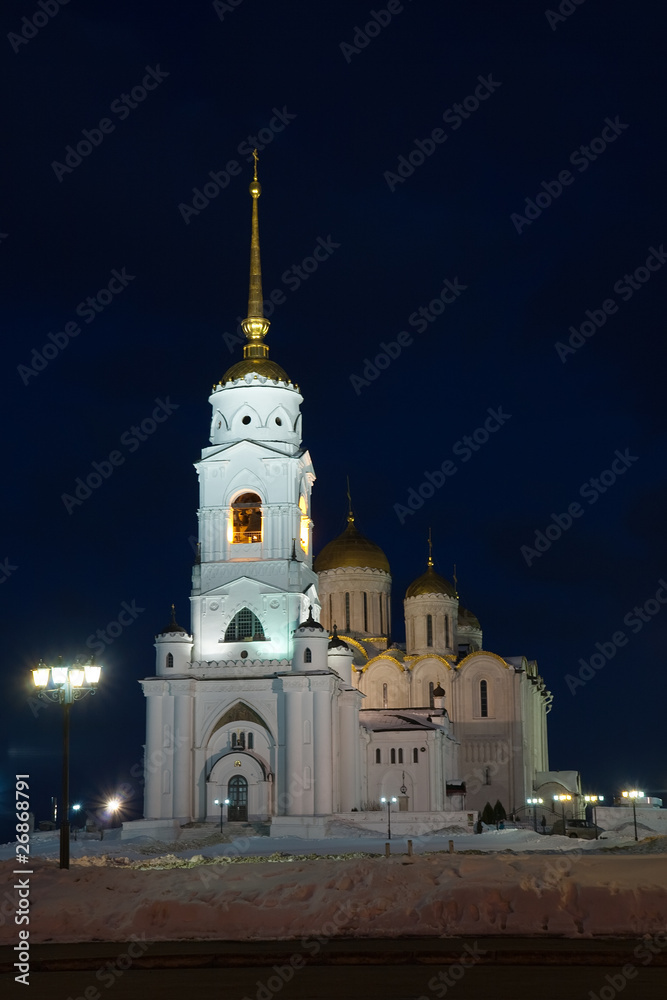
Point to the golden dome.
(262, 366)
(430, 583)
(351, 549)
(468, 618)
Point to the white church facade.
(265, 703)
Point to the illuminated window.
(385, 701)
(400, 755)
(393, 756)
(347, 612)
(483, 699)
(244, 627)
(429, 630)
(247, 519)
(170, 660)
(304, 530)
(307, 656)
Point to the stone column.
(323, 762)
(153, 752)
(182, 765)
(291, 786)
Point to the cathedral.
(287, 701)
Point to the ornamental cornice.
(350, 570)
(415, 659)
(383, 656)
(353, 642)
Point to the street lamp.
(68, 684)
(534, 803)
(633, 796)
(221, 803)
(563, 799)
(594, 799)
(75, 809)
(389, 802)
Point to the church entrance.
(237, 793)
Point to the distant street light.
(534, 803)
(67, 686)
(633, 796)
(221, 803)
(594, 799)
(389, 802)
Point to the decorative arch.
(246, 518)
(281, 414)
(240, 712)
(478, 653)
(245, 626)
(244, 411)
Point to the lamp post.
(633, 795)
(594, 799)
(563, 799)
(534, 803)
(113, 805)
(76, 809)
(221, 803)
(67, 686)
(389, 802)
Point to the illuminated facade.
(261, 704)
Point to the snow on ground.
(257, 888)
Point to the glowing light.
(113, 805)
(304, 533)
(92, 673)
(59, 675)
(76, 676)
(40, 676)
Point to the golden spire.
(456, 585)
(255, 326)
(350, 515)
(430, 550)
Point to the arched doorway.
(237, 793)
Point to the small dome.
(250, 366)
(467, 618)
(173, 626)
(310, 621)
(351, 549)
(336, 642)
(438, 692)
(430, 582)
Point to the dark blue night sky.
(479, 184)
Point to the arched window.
(307, 656)
(385, 699)
(415, 756)
(393, 756)
(331, 621)
(170, 660)
(431, 696)
(447, 631)
(244, 627)
(400, 755)
(365, 612)
(247, 518)
(381, 624)
(378, 756)
(483, 699)
(251, 741)
(347, 612)
(429, 630)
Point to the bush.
(488, 816)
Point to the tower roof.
(173, 626)
(351, 549)
(255, 326)
(431, 582)
(466, 617)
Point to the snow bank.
(579, 894)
